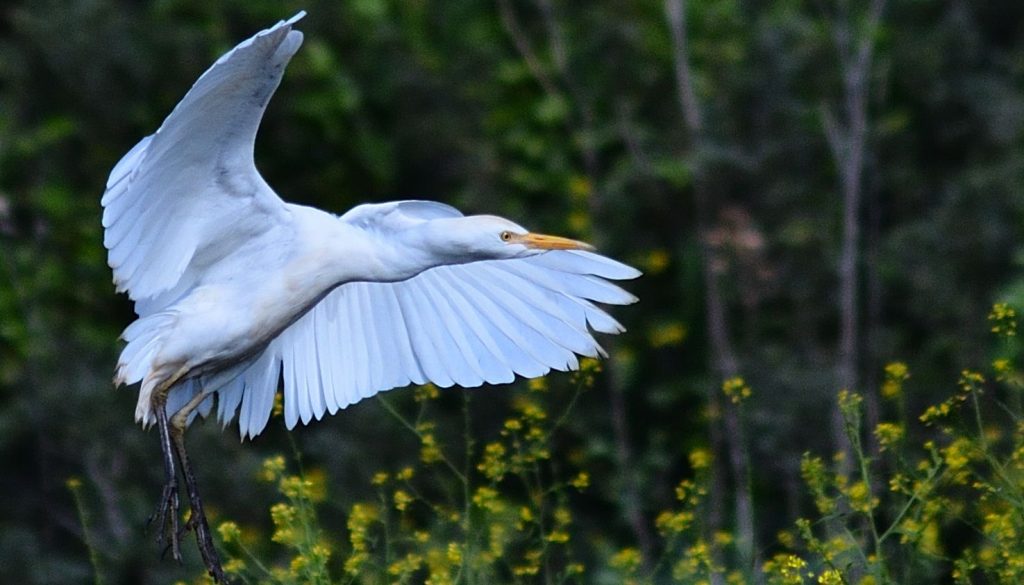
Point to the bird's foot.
(166, 518)
(206, 547)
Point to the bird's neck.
(334, 252)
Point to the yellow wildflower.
(272, 468)
(700, 458)
(429, 450)
(234, 565)
(359, 521)
(667, 334)
(402, 500)
(895, 374)
(1004, 320)
(494, 464)
(487, 498)
(581, 481)
(426, 392)
(626, 560)
(888, 434)
(830, 577)
(670, 523)
(656, 261)
(229, 532)
(558, 536)
(736, 390)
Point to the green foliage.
(503, 514)
(903, 514)
(496, 512)
(564, 117)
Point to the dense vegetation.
(821, 382)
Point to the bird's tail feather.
(145, 337)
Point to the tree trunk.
(848, 140)
(724, 360)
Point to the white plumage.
(238, 289)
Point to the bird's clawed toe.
(165, 517)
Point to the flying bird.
(236, 290)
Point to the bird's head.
(487, 237)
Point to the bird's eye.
(506, 236)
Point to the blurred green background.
(812, 189)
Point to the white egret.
(236, 289)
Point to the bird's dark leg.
(166, 513)
(197, 520)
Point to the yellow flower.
(957, 456)
(426, 392)
(429, 451)
(402, 500)
(736, 389)
(513, 424)
(454, 553)
(830, 577)
(700, 458)
(932, 413)
(530, 410)
(380, 478)
(785, 569)
(895, 374)
(861, 498)
(888, 434)
(1002, 366)
(234, 565)
(487, 498)
(656, 261)
(406, 565)
(405, 474)
(562, 516)
(688, 490)
(626, 560)
(494, 464)
(272, 468)
(354, 563)
(538, 384)
(671, 523)
(284, 517)
(229, 532)
(1004, 320)
(316, 485)
(581, 481)
(531, 566)
(970, 381)
(278, 408)
(558, 536)
(359, 521)
(667, 334)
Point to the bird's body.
(237, 290)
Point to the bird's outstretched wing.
(463, 324)
(189, 194)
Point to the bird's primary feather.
(169, 198)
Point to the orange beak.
(545, 242)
